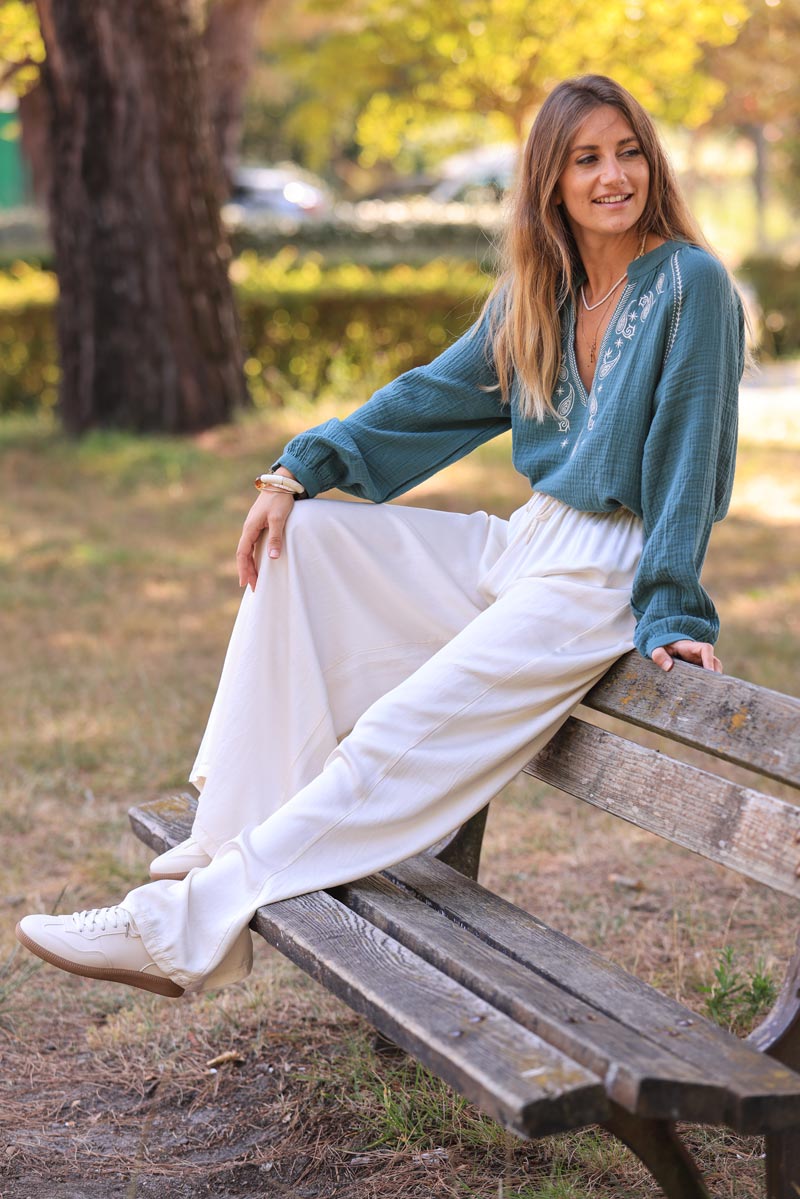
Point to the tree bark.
(146, 322)
(34, 119)
(230, 42)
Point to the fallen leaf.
(625, 883)
(222, 1058)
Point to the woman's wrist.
(285, 483)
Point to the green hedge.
(777, 287)
(28, 353)
(307, 330)
(384, 239)
(314, 331)
(317, 331)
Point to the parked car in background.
(480, 176)
(281, 192)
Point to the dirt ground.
(107, 1092)
(111, 648)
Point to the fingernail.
(273, 553)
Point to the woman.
(391, 668)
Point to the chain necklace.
(614, 286)
(592, 348)
(602, 304)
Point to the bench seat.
(542, 1033)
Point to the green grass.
(736, 1000)
(16, 973)
(117, 594)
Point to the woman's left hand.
(699, 652)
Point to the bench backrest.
(727, 821)
(707, 808)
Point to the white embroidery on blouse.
(631, 319)
(677, 280)
(565, 397)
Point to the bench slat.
(764, 1093)
(403, 997)
(164, 822)
(755, 1082)
(640, 1075)
(728, 717)
(756, 834)
(512, 1074)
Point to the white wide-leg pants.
(392, 671)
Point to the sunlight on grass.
(117, 594)
(768, 471)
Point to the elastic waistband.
(540, 505)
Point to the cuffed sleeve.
(416, 425)
(689, 454)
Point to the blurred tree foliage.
(21, 45)
(375, 74)
(760, 70)
(762, 98)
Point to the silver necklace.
(614, 286)
(591, 307)
(593, 347)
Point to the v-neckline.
(573, 356)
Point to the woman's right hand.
(270, 512)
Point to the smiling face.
(604, 186)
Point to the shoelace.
(102, 919)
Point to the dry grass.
(116, 598)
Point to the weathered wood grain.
(640, 1075)
(512, 1074)
(764, 1094)
(728, 717)
(755, 834)
(164, 822)
(761, 1093)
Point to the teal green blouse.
(656, 434)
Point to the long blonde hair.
(539, 256)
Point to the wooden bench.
(540, 1032)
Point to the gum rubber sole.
(131, 978)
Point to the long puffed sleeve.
(421, 422)
(689, 455)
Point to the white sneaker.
(178, 861)
(102, 943)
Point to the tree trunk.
(34, 119)
(760, 176)
(230, 43)
(146, 322)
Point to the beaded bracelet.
(280, 483)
